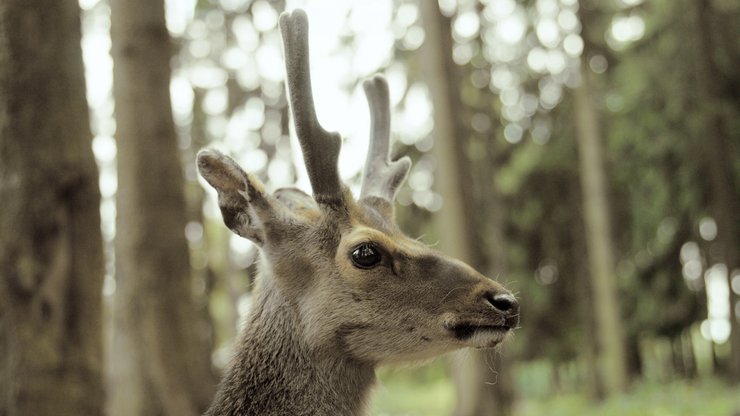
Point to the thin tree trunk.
(711, 133)
(588, 351)
(688, 354)
(609, 329)
(51, 252)
(479, 383)
(159, 367)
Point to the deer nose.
(503, 302)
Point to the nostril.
(504, 302)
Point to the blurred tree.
(483, 387)
(51, 255)
(611, 354)
(243, 89)
(711, 132)
(655, 179)
(655, 133)
(158, 363)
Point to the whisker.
(450, 292)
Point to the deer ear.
(240, 195)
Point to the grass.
(423, 391)
(427, 392)
(679, 398)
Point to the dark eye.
(366, 256)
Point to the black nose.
(503, 302)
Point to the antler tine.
(381, 178)
(320, 148)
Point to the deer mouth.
(464, 331)
(478, 335)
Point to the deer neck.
(274, 372)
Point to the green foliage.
(425, 392)
(684, 398)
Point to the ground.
(427, 392)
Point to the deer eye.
(366, 256)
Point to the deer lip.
(465, 330)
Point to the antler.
(320, 147)
(381, 177)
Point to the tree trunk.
(51, 253)
(481, 388)
(609, 330)
(588, 350)
(158, 365)
(713, 139)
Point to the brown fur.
(321, 324)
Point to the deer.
(341, 290)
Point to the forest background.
(585, 153)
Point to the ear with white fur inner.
(240, 195)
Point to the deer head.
(359, 287)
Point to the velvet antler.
(320, 147)
(382, 177)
